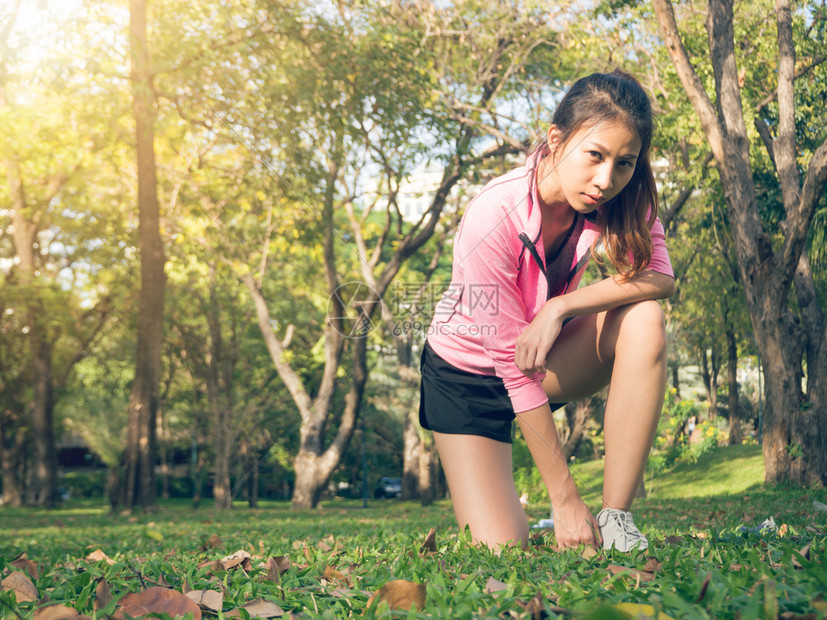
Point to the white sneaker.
(618, 530)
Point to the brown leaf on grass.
(538, 607)
(400, 594)
(215, 565)
(704, 588)
(156, 600)
(57, 612)
(212, 542)
(493, 585)
(258, 608)
(588, 552)
(430, 542)
(276, 567)
(804, 552)
(327, 544)
(208, 600)
(331, 574)
(652, 565)
(24, 564)
(23, 587)
(239, 558)
(674, 540)
(99, 556)
(103, 595)
(614, 569)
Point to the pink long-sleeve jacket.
(498, 285)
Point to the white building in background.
(416, 191)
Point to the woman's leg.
(480, 476)
(626, 349)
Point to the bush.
(84, 484)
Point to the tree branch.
(689, 78)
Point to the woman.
(513, 336)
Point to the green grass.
(731, 470)
(707, 568)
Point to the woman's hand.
(533, 345)
(574, 524)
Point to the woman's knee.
(642, 326)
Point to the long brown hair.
(619, 97)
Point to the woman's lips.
(593, 199)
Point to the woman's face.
(591, 167)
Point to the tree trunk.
(253, 480)
(222, 446)
(577, 415)
(12, 440)
(427, 475)
(676, 383)
(709, 374)
(411, 455)
(732, 380)
(42, 419)
(139, 478)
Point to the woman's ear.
(553, 137)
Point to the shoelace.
(627, 526)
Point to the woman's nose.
(603, 177)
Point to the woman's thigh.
(480, 477)
(580, 362)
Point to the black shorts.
(459, 402)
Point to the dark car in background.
(388, 487)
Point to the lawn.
(329, 562)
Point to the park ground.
(708, 557)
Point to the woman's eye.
(595, 155)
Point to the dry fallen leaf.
(157, 600)
(331, 574)
(652, 565)
(400, 594)
(804, 552)
(239, 558)
(207, 599)
(588, 552)
(57, 612)
(614, 569)
(99, 556)
(430, 542)
(214, 541)
(23, 563)
(258, 608)
(23, 587)
(103, 595)
(536, 607)
(276, 567)
(493, 585)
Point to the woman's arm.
(534, 343)
(573, 521)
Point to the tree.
(795, 421)
(139, 473)
(48, 211)
(383, 86)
